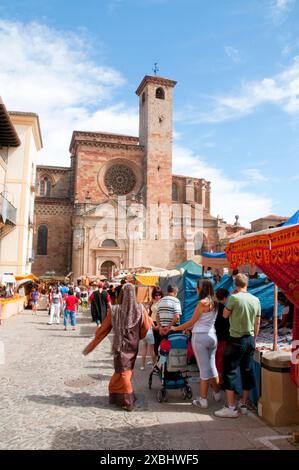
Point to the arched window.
(175, 196)
(42, 240)
(109, 243)
(143, 98)
(199, 243)
(160, 94)
(45, 187)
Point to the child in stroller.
(171, 366)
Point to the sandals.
(127, 407)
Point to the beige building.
(19, 191)
(269, 221)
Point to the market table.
(11, 306)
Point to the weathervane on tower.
(155, 69)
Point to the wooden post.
(275, 328)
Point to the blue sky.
(236, 104)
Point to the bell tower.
(155, 134)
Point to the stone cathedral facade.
(82, 212)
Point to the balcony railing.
(8, 213)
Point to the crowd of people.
(223, 329)
(65, 300)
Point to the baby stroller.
(171, 367)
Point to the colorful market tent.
(190, 266)
(152, 278)
(7, 278)
(292, 220)
(276, 253)
(27, 276)
(188, 296)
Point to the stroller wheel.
(184, 393)
(161, 396)
(189, 392)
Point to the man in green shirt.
(244, 312)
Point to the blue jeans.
(239, 352)
(72, 315)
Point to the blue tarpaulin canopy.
(292, 220)
(207, 254)
(186, 283)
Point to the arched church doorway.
(108, 269)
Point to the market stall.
(276, 253)
(151, 279)
(218, 262)
(11, 303)
(11, 306)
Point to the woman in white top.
(204, 341)
(55, 305)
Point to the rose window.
(120, 179)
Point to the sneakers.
(243, 408)
(200, 402)
(217, 396)
(227, 412)
(141, 368)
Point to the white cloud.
(233, 54)
(53, 73)
(281, 90)
(280, 9)
(254, 175)
(230, 196)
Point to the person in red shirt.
(70, 301)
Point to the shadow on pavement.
(101, 401)
(111, 437)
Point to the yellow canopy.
(26, 276)
(152, 278)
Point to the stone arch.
(45, 184)
(108, 268)
(109, 243)
(160, 93)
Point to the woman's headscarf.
(125, 316)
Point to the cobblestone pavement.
(52, 397)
